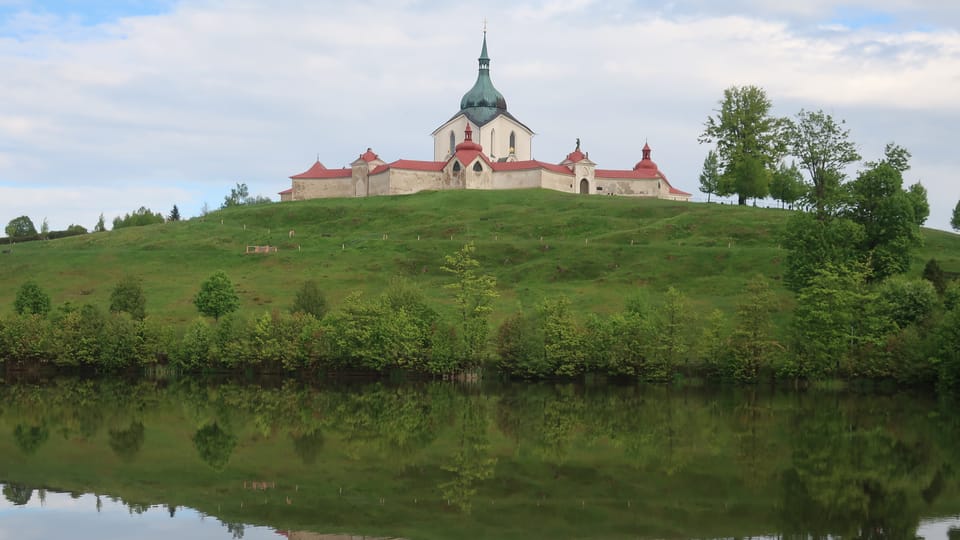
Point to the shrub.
(31, 300)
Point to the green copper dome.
(483, 102)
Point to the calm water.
(111, 459)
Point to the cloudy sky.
(108, 105)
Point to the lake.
(431, 460)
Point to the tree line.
(22, 228)
(845, 324)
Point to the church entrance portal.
(584, 187)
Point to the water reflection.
(436, 460)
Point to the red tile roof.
(369, 156)
(410, 165)
(530, 165)
(315, 169)
(286, 191)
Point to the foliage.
(19, 227)
(670, 339)
(562, 340)
(748, 141)
(44, 229)
(17, 494)
(126, 443)
(473, 295)
(909, 300)
(823, 148)
(310, 299)
(174, 214)
(214, 445)
(917, 194)
(836, 315)
(933, 273)
(751, 343)
(138, 218)
(217, 296)
(813, 244)
(710, 176)
(786, 184)
(520, 347)
(127, 296)
(888, 216)
(100, 226)
(31, 300)
(30, 438)
(955, 217)
(240, 195)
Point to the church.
(482, 146)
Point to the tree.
(751, 343)
(473, 295)
(921, 205)
(710, 177)
(748, 141)
(127, 296)
(955, 218)
(888, 216)
(138, 218)
(100, 226)
(787, 185)
(174, 214)
(310, 299)
(44, 229)
(813, 244)
(824, 150)
(31, 300)
(237, 196)
(214, 445)
(20, 227)
(217, 297)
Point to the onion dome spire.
(483, 101)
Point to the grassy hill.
(598, 251)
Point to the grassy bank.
(538, 243)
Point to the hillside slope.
(596, 250)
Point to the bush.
(31, 300)
(310, 299)
(909, 300)
(127, 296)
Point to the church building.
(482, 146)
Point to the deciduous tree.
(787, 185)
(19, 227)
(748, 140)
(823, 148)
(100, 226)
(31, 300)
(473, 294)
(955, 218)
(310, 299)
(217, 296)
(127, 296)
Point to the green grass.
(596, 250)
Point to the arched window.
(477, 167)
(513, 142)
(456, 166)
(453, 142)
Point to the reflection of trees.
(852, 478)
(307, 446)
(214, 445)
(235, 529)
(472, 462)
(30, 438)
(126, 443)
(17, 494)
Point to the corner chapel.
(482, 146)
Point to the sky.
(110, 105)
